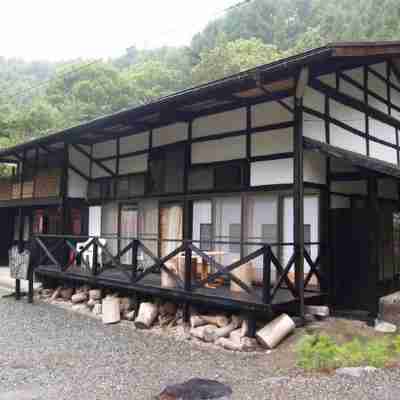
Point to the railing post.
(188, 268)
(17, 289)
(188, 282)
(267, 275)
(135, 248)
(95, 257)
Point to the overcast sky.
(65, 29)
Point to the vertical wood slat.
(267, 275)
(298, 203)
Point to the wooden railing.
(60, 252)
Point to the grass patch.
(321, 352)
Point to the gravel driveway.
(49, 353)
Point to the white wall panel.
(328, 79)
(269, 113)
(314, 99)
(131, 165)
(349, 187)
(219, 123)
(219, 150)
(395, 98)
(133, 143)
(357, 74)
(314, 167)
(376, 85)
(385, 153)
(380, 68)
(170, 134)
(78, 160)
(348, 115)
(271, 172)
(272, 142)
(105, 149)
(382, 131)
(77, 186)
(347, 140)
(377, 104)
(313, 127)
(351, 90)
(98, 172)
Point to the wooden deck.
(221, 296)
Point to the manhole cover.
(196, 389)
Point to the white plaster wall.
(314, 99)
(349, 187)
(382, 131)
(272, 142)
(170, 134)
(271, 172)
(269, 113)
(347, 140)
(105, 149)
(95, 221)
(219, 150)
(377, 104)
(219, 123)
(131, 165)
(98, 172)
(77, 186)
(348, 115)
(351, 90)
(78, 160)
(388, 189)
(136, 142)
(313, 127)
(314, 167)
(381, 152)
(328, 79)
(357, 74)
(381, 68)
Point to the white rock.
(355, 372)
(319, 311)
(385, 327)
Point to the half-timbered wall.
(356, 109)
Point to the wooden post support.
(373, 245)
(135, 248)
(95, 258)
(267, 275)
(17, 289)
(298, 204)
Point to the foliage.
(316, 352)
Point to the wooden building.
(259, 192)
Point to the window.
(234, 236)
(201, 178)
(307, 238)
(166, 170)
(205, 237)
(269, 233)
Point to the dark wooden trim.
(298, 203)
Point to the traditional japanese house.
(260, 192)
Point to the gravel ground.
(49, 353)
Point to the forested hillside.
(254, 33)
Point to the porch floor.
(151, 285)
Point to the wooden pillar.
(64, 191)
(298, 203)
(373, 245)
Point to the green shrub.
(317, 352)
(377, 352)
(396, 344)
(351, 353)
